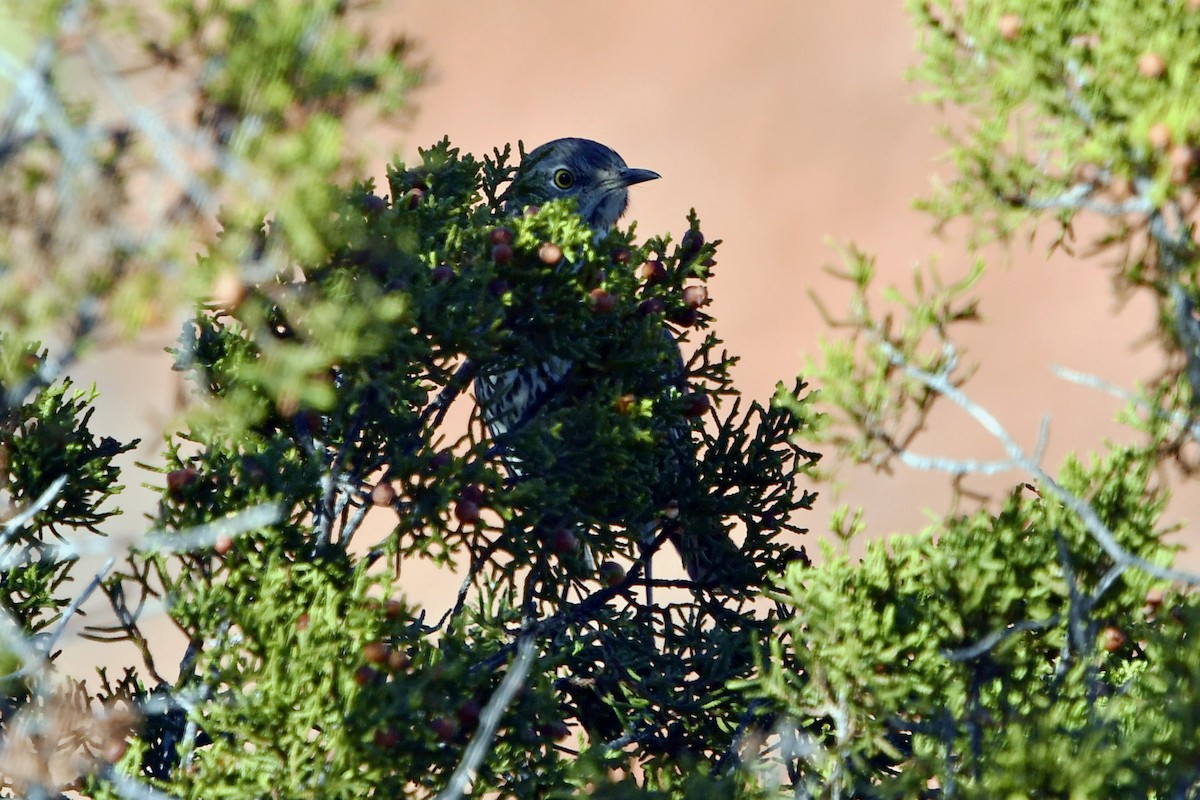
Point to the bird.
(510, 396)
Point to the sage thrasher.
(511, 395)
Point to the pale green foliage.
(1022, 652)
(1059, 99)
(992, 654)
(107, 192)
(1078, 108)
(875, 409)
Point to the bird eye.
(563, 179)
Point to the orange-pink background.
(787, 125)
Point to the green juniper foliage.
(307, 669)
(1078, 109)
(1036, 650)
(1001, 655)
(51, 461)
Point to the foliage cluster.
(1045, 648)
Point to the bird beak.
(631, 176)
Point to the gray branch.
(1095, 526)
(478, 747)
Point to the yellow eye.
(563, 179)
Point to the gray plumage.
(598, 179)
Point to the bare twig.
(43, 501)
(1186, 422)
(202, 536)
(489, 720)
(1095, 526)
(974, 651)
(128, 788)
(79, 600)
(1079, 198)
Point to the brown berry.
(555, 731)
(471, 492)
(651, 305)
(1112, 639)
(114, 750)
(228, 291)
(652, 272)
(563, 541)
(303, 621)
(621, 256)
(691, 243)
(375, 652)
(397, 660)
(501, 235)
(310, 421)
(1182, 158)
(686, 317)
(444, 728)
(502, 253)
(180, 479)
(1159, 136)
(393, 608)
(611, 573)
(1010, 26)
(695, 296)
(531, 211)
(373, 203)
(625, 404)
(364, 675)
(601, 301)
(442, 273)
(387, 738)
(1086, 172)
(550, 253)
(468, 713)
(1152, 65)
(696, 404)
(223, 544)
(384, 493)
(466, 511)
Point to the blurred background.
(788, 130)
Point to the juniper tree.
(1042, 646)
(415, 288)
(328, 348)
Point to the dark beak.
(631, 176)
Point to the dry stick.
(79, 600)
(206, 535)
(489, 720)
(1087, 515)
(1178, 418)
(14, 525)
(1020, 459)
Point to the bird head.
(594, 175)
